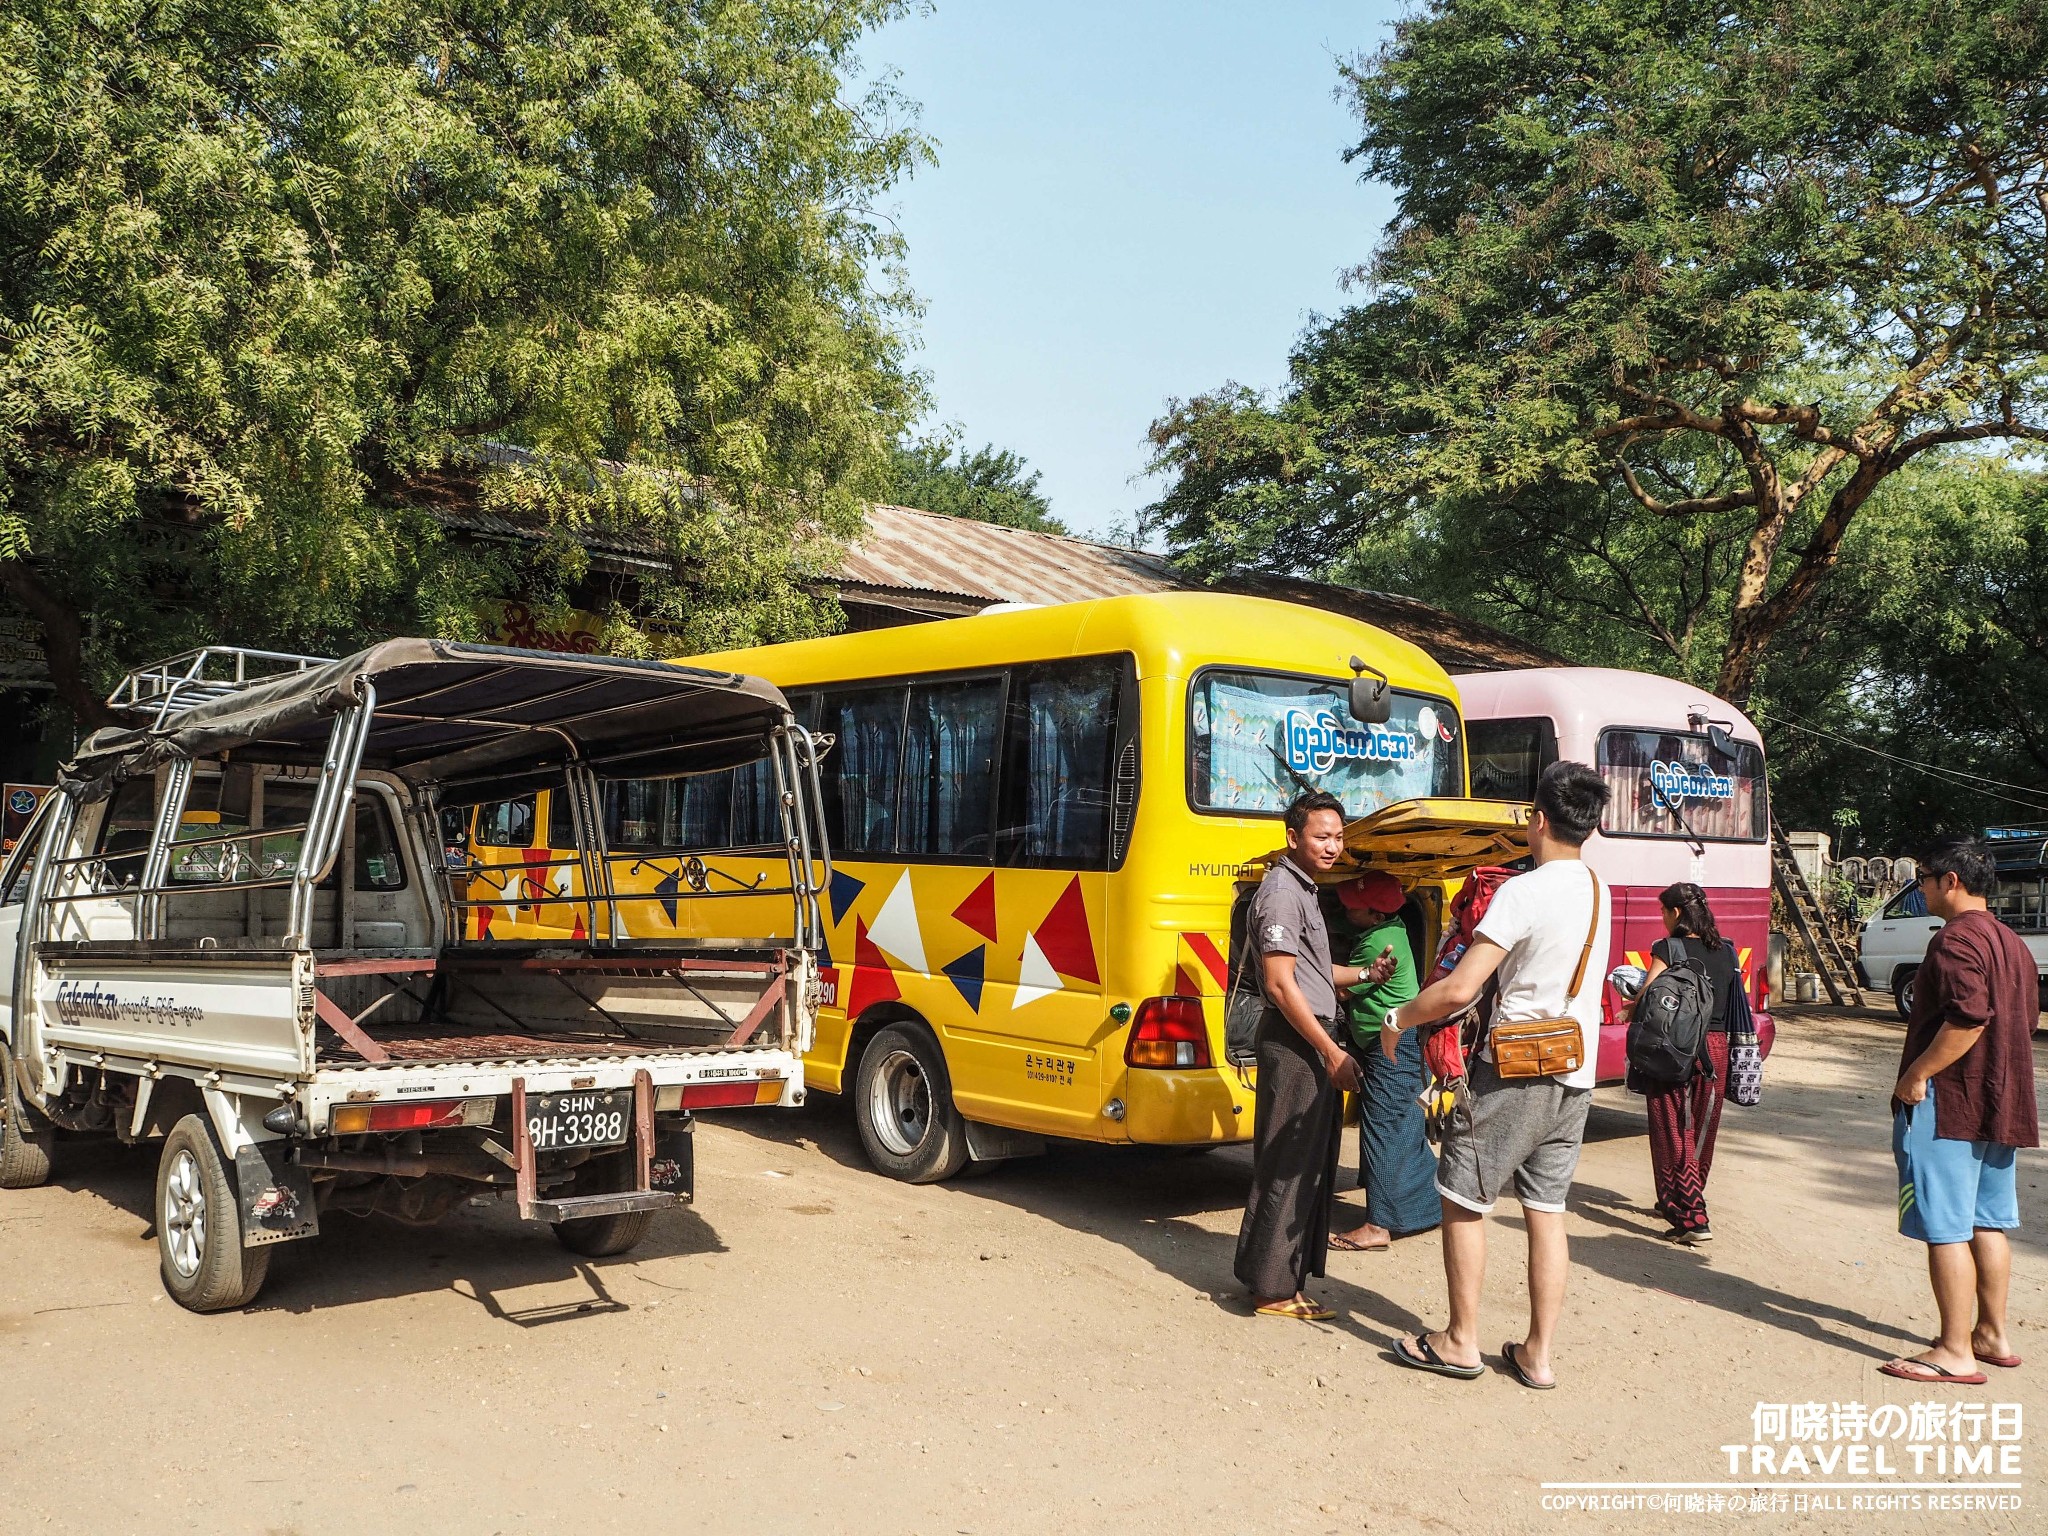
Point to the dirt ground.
(1055, 1346)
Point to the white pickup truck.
(235, 926)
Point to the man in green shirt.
(1394, 1162)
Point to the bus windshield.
(1258, 739)
(1721, 796)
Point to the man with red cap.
(1395, 1167)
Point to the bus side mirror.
(1372, 698)
(1720, 740)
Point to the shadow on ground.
(483, 1253)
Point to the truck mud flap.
(276, 1196)
(674, 1166)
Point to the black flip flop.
(1512, 1354)
(1429, 1360)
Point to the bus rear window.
(1258, 739)
(1721, 796)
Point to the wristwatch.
(1389, 1021)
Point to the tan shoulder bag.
(1548, 1047)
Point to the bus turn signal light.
(1169, 1032)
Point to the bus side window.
(1057, 764)
(1509, 756)
(949, 769)
(861, 770)
(506, 823)
(561, 818)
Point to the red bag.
(1445, 1048)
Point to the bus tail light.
(729, 1095)
(1169, 1032)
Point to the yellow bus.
(1038, 820)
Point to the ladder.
(1837, 970)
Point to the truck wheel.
(903, 1104)
(1902, 991)
(199, 1225)
(599, 1237)
(24, 1145)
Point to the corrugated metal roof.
(908, 550)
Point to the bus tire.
(199, 1225)
(600, 1237)
(24, 1144)
(903, 1106)
(1902, 990)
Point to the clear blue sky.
(1135, 199)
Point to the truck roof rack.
(168, 688)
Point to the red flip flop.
(1927, 1371)
(2003, 1362)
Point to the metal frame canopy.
(442, 711)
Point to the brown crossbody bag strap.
(1549, 1047)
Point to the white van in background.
(1894, 942)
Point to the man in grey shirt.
(1303, 1071)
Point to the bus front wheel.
(903, 1103)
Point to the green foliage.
(990, 485)
(1737, 263)
(270, 274)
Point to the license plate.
(558, 1120)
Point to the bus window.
(506, 823)
(561, 818)
(1507, 757)
(1258, 739)
(1057, 764)
(948, 801)
(1722, 797)
(860, 773)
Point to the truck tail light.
(424, 1115)
(750, 1090)
(1169, 1032)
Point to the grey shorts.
(1530, 1127)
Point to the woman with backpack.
(1685, 1115)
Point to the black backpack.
(1667, 1041)
(1244, 1001)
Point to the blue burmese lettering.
(1315, 741)
(1686, 781)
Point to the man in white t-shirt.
(1544, 931)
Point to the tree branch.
(63, 642)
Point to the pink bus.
(1689, 801)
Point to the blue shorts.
(1950, 1189)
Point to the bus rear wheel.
(903, 1104)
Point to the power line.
(1976, 783)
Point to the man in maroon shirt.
(1963, 1104)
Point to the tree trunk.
(63, 643)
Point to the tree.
(990, 485)
(275, 276)
(1732, 261)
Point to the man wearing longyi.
(1303, 1071)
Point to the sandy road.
(1056, 1346)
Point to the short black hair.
(1967, 858)
(1571, 797)
(1307, 803)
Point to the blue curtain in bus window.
(1652, 774)
(704, 811)
(1257, 740)
(755, 819)
(1057, 764)
(949, 769)
(861, 770)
